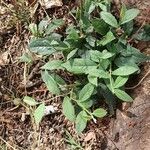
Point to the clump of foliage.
(96, 51)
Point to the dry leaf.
(89, 136)
(4, 59)
(32, 2)
(33, 9)
(51, 3)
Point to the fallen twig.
(133, 87)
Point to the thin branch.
(133, 87)
(7, 143)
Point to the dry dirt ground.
(129, 130)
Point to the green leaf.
(123, 95)
(91, 40)
(72, 33)
(98, 73)
(54, 25)
(86, 104)
(92, 79)
(102, 6)
(123, 11)
(79, 65)
(136, 55)
(42, 26)
(41, 46)
(71, 54)
(105, 54)
(120, 81)
(86, 116)
(97, 56)
(91, 8)
(103, 74)
(50, 83)
(126, 61)
(51, 65)
(93, 72)
(81, 122)
(100, 112)
(109, 19)
(87, 5)
(144, 34)
(34, 29)
(109, 98)
(56, 37)
(58, 79)
(129, 15)
(39, 113)
(109, 83)
(128, 28)
(86, 92)
(104, 64)
(26, 58)
(68, 109)
(100, 26)
(62, 46)
(30, 101)
(109, 37)
(125, 71)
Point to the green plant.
(36, 113)
(73, 144)
(96, 51)
(144, 33)
(35, 109)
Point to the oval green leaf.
(107, 39)
(68, 109)
(50, 83)
(120, 81)
(71, 54)
(39, 113)
(30, 101)
(51, 65)
(41, 46)
(125, 71)
(109, 19)
(123, 95)
(100, 112)
(81, 122)
(86, 92)
(129, 15)
(100, 26)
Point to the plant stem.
(86, 110)
(110, 78)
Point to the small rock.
(50, 110)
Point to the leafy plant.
(36, 113)
(94, 52)
(73, 144)
(144, 34)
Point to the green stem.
(86, 110)
(110, 78)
